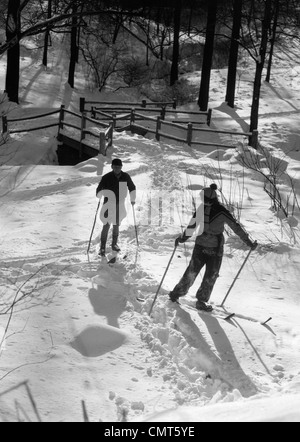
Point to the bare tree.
(13, 30)
(176, 45)
(16, 32)
(208, 55)
(260, 63)
(102, 57)
(47, 35)
(234, 52)
(74, 46)
(5, 108)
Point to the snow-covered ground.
(78, 332)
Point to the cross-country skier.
(209, 248)
(114, 188)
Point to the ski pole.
(160, 285)
(237, 276)
(90, 241)
(135, 226)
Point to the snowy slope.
(78, 332)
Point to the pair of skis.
(227, 316)
(221, 313)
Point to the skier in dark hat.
(114, 188)
(209, 248)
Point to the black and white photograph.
(149, 213)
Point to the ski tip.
(267, 321)
(229, 317)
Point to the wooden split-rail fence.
(168, 122)
(73, 130)
(91, 131)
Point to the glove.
(181, 239)
(252, 245)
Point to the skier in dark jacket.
(209, 248)
(114, 188)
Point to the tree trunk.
(273, 41)
(163, 37)
(191, 18)
(13, 30)
(234, 53)
(260, 63)
(74, 50)
(175, 61)
(148, 44)
(78, 43)
(119, 21)
(208, 55)
(47, 36)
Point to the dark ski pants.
(201, 257)
(104, 234)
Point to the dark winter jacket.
(215, 218)
(118, 185)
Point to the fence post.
(158, 128)
(83, 126)
(4, 124)
(111, 132)
(132, 117)
(82, 104)
(175, 104)
(209, 116)
(163, 113)
(114, 119)
(61, 117)
(190, 134)
(82, 134)
(102, 147)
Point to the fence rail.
(105, 137)
(106, 128)
(6, 121)
(134, 114)
(144, 104)
(112, 112)
(189, 130)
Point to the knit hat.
(210, 192)
(117, 162)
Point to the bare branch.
(51, 24)
(14, 303)
(29, 394)
(24, 4)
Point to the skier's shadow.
(108, 300)
(231, 367)
(225, 364)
